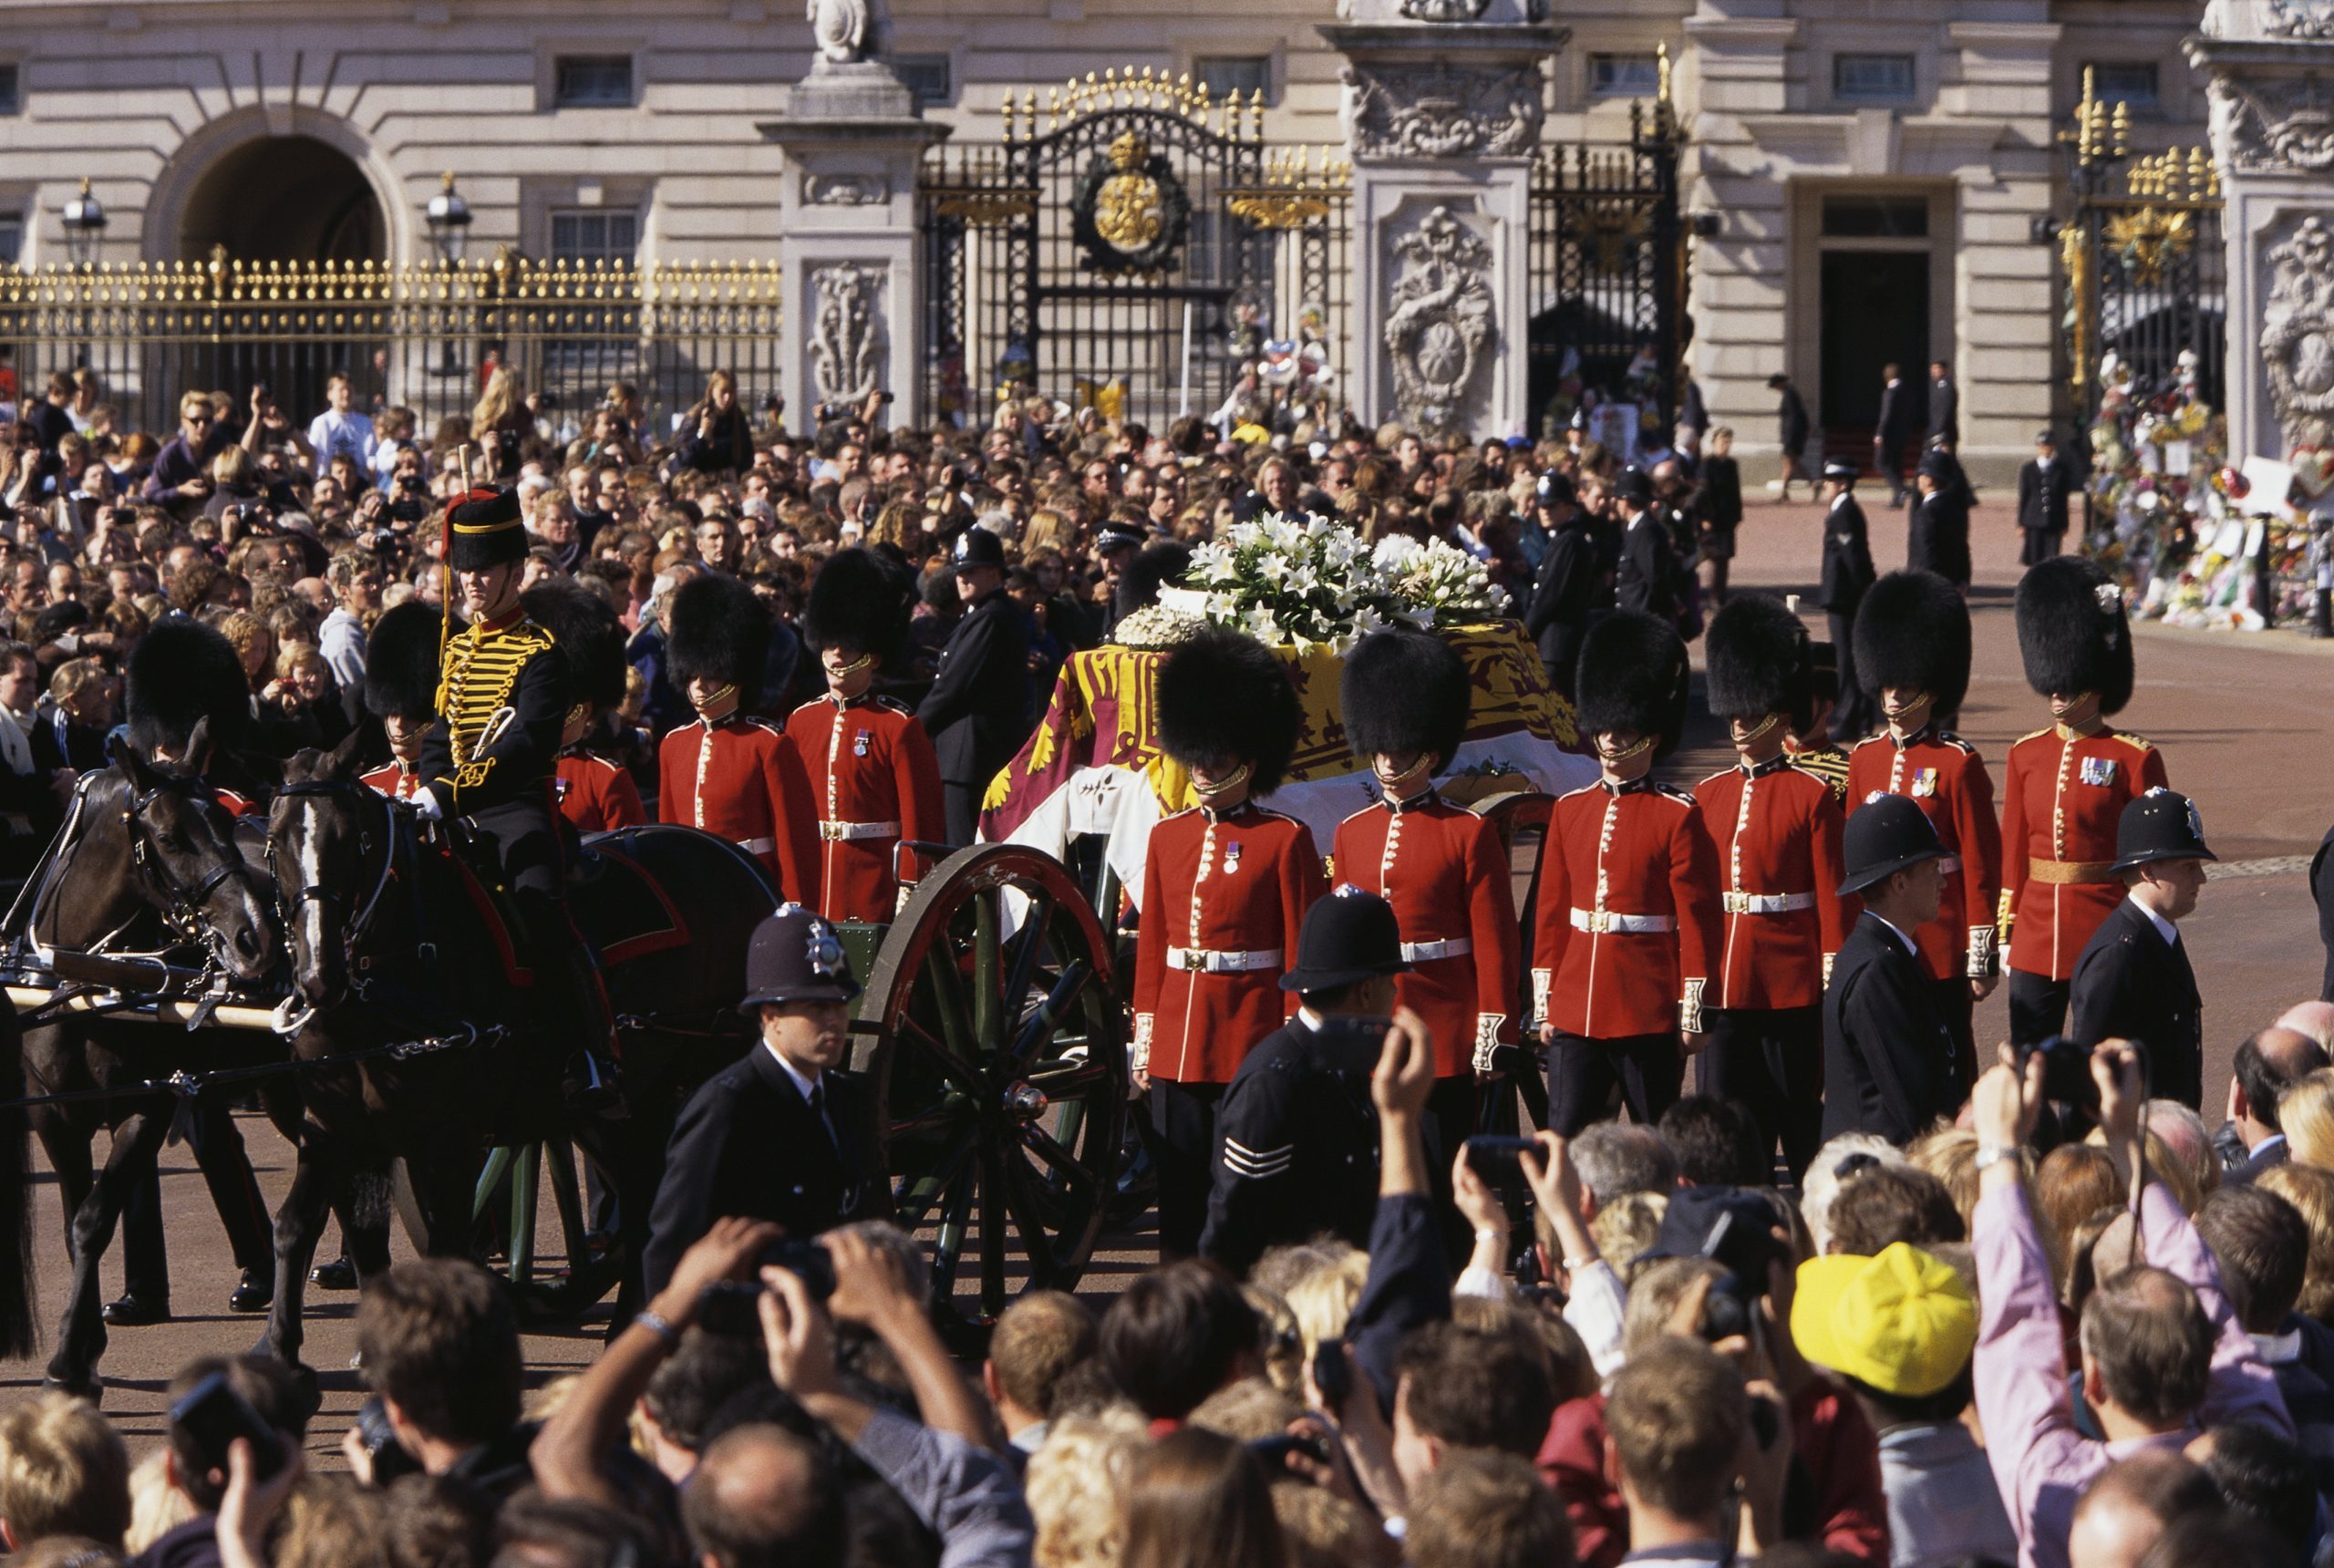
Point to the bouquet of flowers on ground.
(1307, 580)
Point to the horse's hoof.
(310, 1397)
(136, 1312)
(337, 1274)
(252, 1295)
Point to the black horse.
(147, 863)
(396, 944)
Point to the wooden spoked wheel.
(993, 1036)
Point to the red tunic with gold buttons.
(596, 794)
(1445, 872)
(1774, 833)
(1223, 895)
(876, 781)
(1945, 775)
(1627, 925)
(2063, 798)
(741, 778)
(396, 780)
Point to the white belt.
(1766, 903)
(1209, 961)
(1604, 920)
(1427, 951)
(836, 831)
(758, 846)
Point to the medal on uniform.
(1924, 781)
(2098, 770)
(1232, 857)
(859, 744)
(559, 788)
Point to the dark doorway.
(1875, 313)
(285, 199)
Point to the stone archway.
(283, 199)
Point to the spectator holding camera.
(2162, 1353)
(440, 1342)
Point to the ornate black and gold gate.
(1132, 244)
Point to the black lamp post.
(84, 221)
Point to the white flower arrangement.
(1307, 580)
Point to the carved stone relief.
(1440, 322)
(2297, 333)
(846, 189)
(1443, 10)
(847, 331)
(2299, 19)
(1441, 110)
(2272, 124)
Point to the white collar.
(1840, 497)
(805, 1086)
(1310, 1018)
(2266, 1144)
(1902, 935)
(2163, 928)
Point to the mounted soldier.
(487, 762)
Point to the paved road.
(2242, 720)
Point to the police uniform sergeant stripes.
(1255, 1164)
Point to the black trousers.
(1586, 1077)
(960, 808)
(1183, 1117)
(1770, 1062)
(2038, 1007)
(235, 1192)
(1852, 713)
(1959, 1008)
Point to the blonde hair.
(503, 395)
(63, 1470)
(1950, 1154)
(1076, 1486)
(1321, 1299)
(156, 1507)
(1624, 1228)
(2306, 1112)
(330, 1521)
(2309, 1189)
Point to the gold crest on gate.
(1130, 210)
(1129, 214)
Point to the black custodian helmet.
(1760, 660)
(1225, 698)
(718, 631)
(1632, 679)
(1404, 691)
(183, 673)
(2072, 633)
(401, 663)
(1913, 632)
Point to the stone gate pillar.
(2270, 68)
(1442, 110)
(854, 301)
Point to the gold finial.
(1661, 68)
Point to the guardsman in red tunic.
(594, 793)
(2067, 788)
(1406, 696)
(401, 691)
(1625, 935)
(1913, 655)
(872, 767)
(1225, 886)
(1774, 832)
(733, 775)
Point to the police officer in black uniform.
(1296, 1138)
(1847, 575)
(1889, 1055)
(1648, 578)
(781, 1135)
(977, 711)
(2044, 483)
(2134, 980)
(1570, 590)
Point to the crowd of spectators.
(2110, 1355)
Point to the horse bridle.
(351, 932)
(184, 907)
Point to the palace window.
(1875, 217)
(592, 81)
(1871, 79)
(1234, 76)
(12, 99)
(2131, 82)
(932, 78)
(12, 237)
(1623, 76)
(595, 235)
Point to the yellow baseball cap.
(1901, 1321)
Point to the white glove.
(425, 804)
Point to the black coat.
(1295, 1148)
(977, 711)
(2321, 888)
(1847, 558)
(2131, 985)
(1945, 410)
(1936, 538)
(2042, 490)
(1900, 414)
(747, 1144)
(1888, 1053)
(1567, 594)
(1647, 579)
(1792, 426)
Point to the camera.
(2066, 1070)
(1497, 1159)
(728, 1307)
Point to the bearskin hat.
(1405, 690)
(859, 602)
(2072, 633)
(1154, 567)
(1759, 660)
(1913, 631)
(719, 631)
(181, 673)
(483, 529)
(401, 663)
(1633, 677)
(1225, 698)
(584, 626)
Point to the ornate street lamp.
(84, 221)
(449, 221)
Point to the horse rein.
(353, 932)
(184, 909)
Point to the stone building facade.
(1875, 171)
